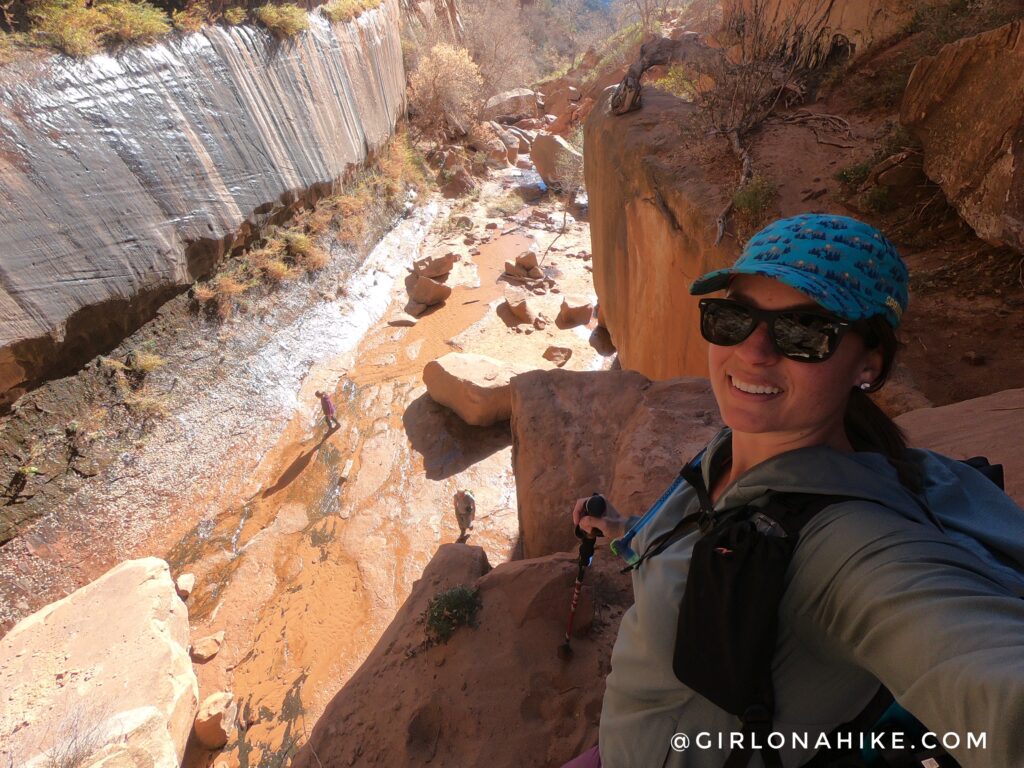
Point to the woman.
(914, 582)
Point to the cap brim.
(826, 293)
(712, 281)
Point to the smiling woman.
(807, 580)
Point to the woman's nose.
(757, 348)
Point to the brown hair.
(867, 426)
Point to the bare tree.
(445, 91)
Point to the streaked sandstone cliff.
(123, 178)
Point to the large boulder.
(105, 670)
(560, 452)
(474, 386)
(988, 426)
(519, 102)
(215, 722)
(429, 292)
(966, 106)
(653, 205)
(546, 152)
(435, 266)
(454, 704)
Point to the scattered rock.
(215, 721)
(402, 320)
(527, 259)
(575, 310)
(428, 292)
(523, 163)
(519, 101)
(475, 387)
(184, 585)
(112, 656)
(456, 183)
(521, 304)
(435, 266)
(491, 225)
(558, 355)
(535, 273)
(206, 648)
(545, 153)
(415, 309)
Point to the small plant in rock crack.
(449, 610)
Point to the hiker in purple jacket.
(328, 407)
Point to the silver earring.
(866, 385)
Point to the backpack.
(728, 623)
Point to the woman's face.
(807, 400)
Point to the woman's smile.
(749, 387)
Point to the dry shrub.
(283, 21)
(401, 166)
(346, 10)
(275, 271)
(234, 16)
(226, 288)
(77, 30)
(445, 89)
(303, 252)
(132, 22)
(352, 206)
(68, 26)
(202, 292)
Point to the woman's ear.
(871, 368)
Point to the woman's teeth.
(754, 389)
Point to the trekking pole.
(594, 507)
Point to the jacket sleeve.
(924, 616)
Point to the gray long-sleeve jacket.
(875, 592)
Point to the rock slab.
(216, 720)
(966, 106)
(476, 387)
(646, 431)
(109, 663)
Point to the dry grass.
(367, 203)
(146, 406)
(146, 362)
(283, 21)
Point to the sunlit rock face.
(124, 178)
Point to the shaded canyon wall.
(124, 178)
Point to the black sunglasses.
(802, 335)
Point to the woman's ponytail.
(868, 428)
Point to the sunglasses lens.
(805, 336)
(725, 323)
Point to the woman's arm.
(920, 613)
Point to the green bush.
(755, 197)
(854, 175)
(282, 20)
(449, 610)
(678, 82)
(877, 199)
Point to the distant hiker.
(807, 567)
(328, 408)
(465, 511)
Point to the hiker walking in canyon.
(811, 590)
(327, 406)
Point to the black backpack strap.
(993, 472)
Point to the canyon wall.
(966, 107)
(124, 178)
(816, 29)
(652, 226)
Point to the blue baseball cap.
(848, 267)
